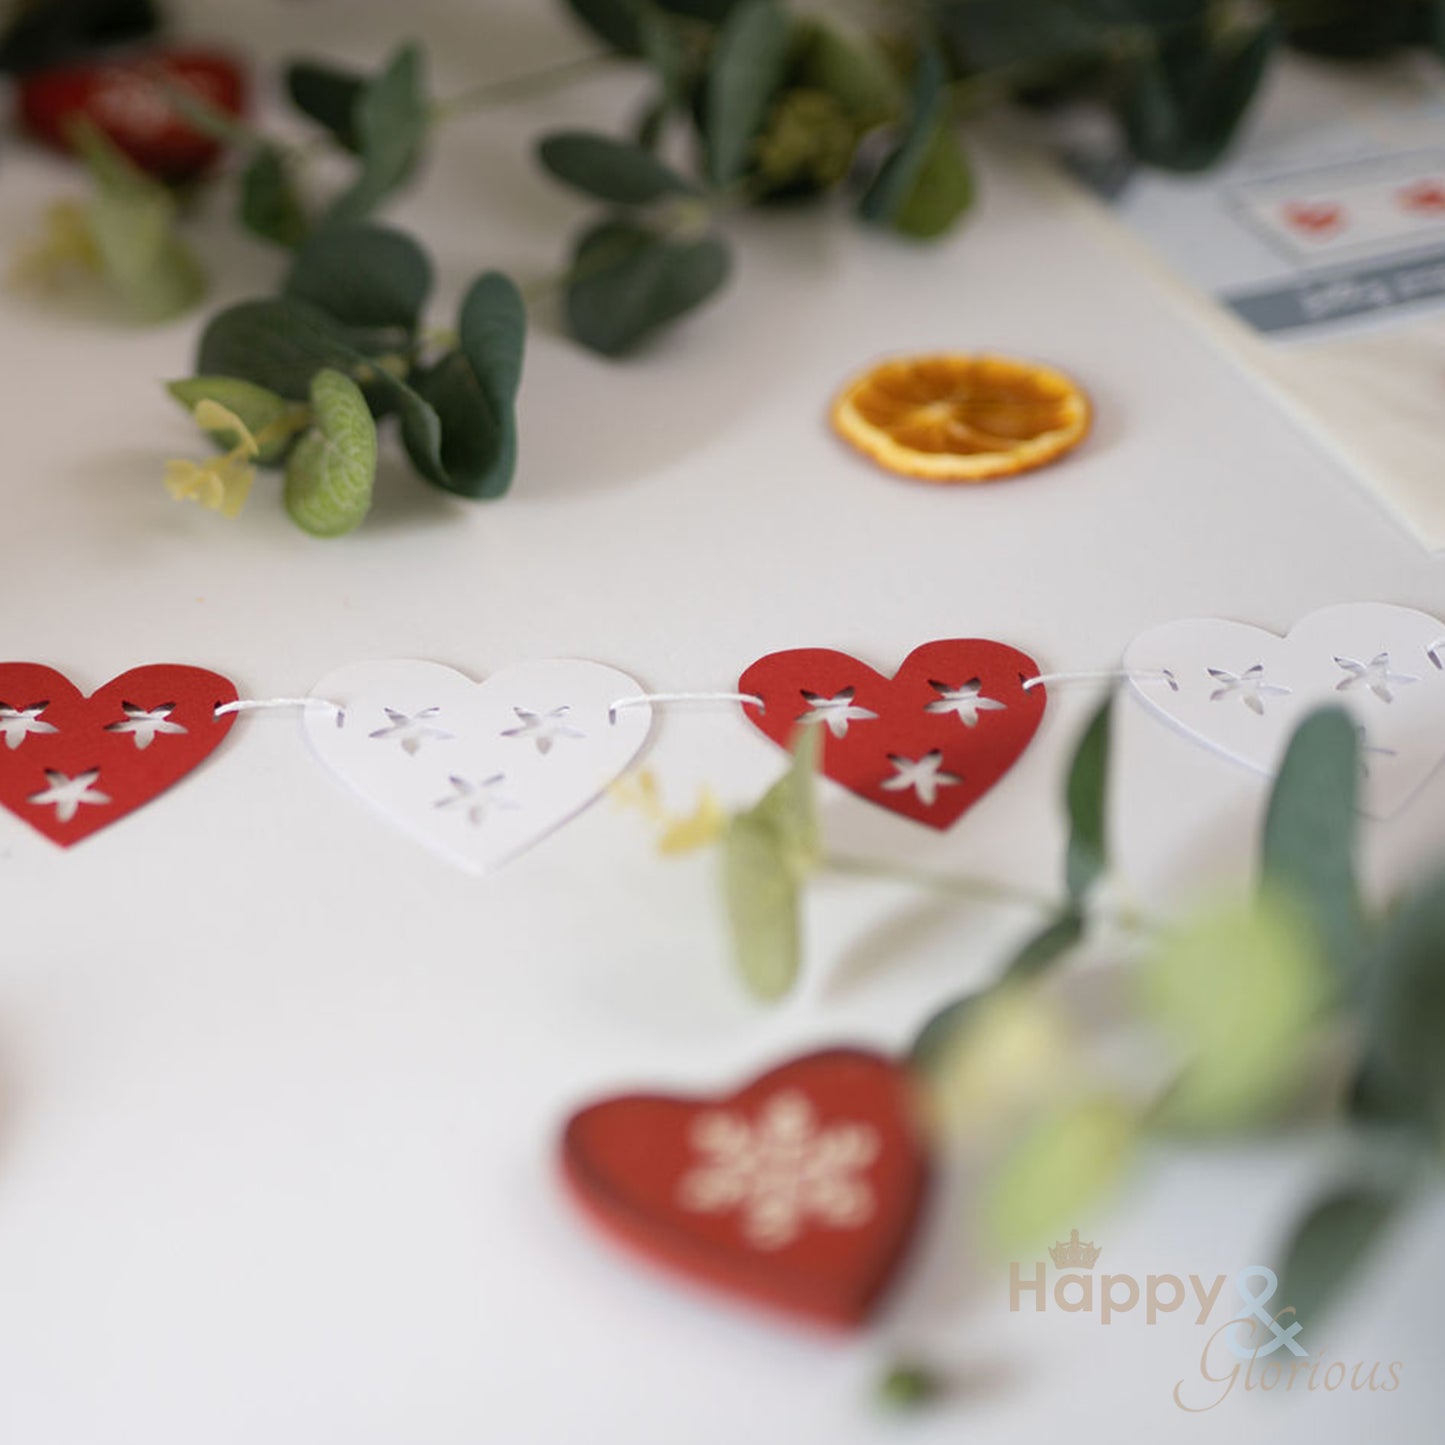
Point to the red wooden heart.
(801, 1190)
(71, 764)
(927, 743)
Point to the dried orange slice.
(960, 418)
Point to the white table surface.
(279, 1091)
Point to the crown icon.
(1074, 1253)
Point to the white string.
(254, 704)
(1160, 675)
(748, 699)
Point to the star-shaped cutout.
(65, 794)
(967, 701)
(411, 731)
(1248, 686)
(922, 776)
(543, 728)
(477, 800)
(836, 711)
(17, 723)
(1374, 674)
(146, 724)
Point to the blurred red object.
(131, 100)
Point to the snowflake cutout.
(411, 731)
(146, 724)
(836, 711)
(1374, 674)
(780, 1171)
(66, 794)
(17, 723)
(478, 800)
(1248, 686)
(966, 701)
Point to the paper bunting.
(926, 743)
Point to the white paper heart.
(1242, 691)
(478, 771)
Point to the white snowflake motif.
(781, 1171)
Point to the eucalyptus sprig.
(1294, 1004)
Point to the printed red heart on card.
(800, 1191)
(927, 742)
(1315, 218)
(71, 765)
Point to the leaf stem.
(986, 890)
(519, 87)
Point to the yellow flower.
(677, 833)
(65, 245)
(224, 482)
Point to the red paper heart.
(801, 1190)
(927, 743)
(139, 734)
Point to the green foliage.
(1086, 795)
(33, 35)
(628, 279)
(391, 115)
(1328, 1246)
(851, 67)
(924, 184)
(1060, 1167)
(749, 62)
(272, 420)
(471, 449)
(1239, 993)
(365, 276)
(768, 853)
(1309, 832)
(612, 170)
(270, 205)
(131, 219)
(278, 344)
(328, 95)
(331, 471)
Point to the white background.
(279, 1091)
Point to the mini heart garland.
(71, 765)
(802, 1190)
(1241, 691)
(926, 743)
(477, 771)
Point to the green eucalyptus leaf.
(1059, 1168)
(768, 853)
(850, 66)
(279, 344)
(1086, 795)
(627, 280)
(1185, 100)
(924, 184)
(328, 95)
(1310, 828)
(1351, 29)
(763, 906)
(270, 205)
(459, 418)
(393, 117)
(1238, 993)
(617, 22)
(272, 420)
(612, 170)
(366, 276)
(990, 35)
(37, 33)
(1404, 1070)
(1328, 1245)
(132, 222)
(748, 66)
(332, 470)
